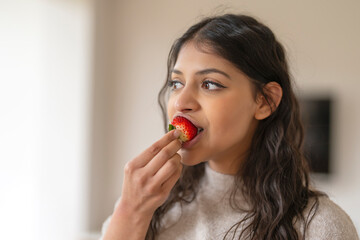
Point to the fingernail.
(177, 133)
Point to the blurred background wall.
(78, 98)
(46, 62)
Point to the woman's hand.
(147, 183)
(150, 176)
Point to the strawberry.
(187, 128)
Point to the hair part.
(275, 175)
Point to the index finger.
(154, 149)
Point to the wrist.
(132, 214)
(127, 223)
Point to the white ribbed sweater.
(210, 215)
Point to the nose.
(186, 100)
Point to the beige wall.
(322, 39)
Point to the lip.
(192, 142)
(189, 118)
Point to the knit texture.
(210, 215)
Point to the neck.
(230, 166)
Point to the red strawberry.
(188, 129)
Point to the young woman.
(244, 175)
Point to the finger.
(167, 170)
(170, 182)
(154, 149)
(162, 157)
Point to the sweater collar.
(217, 181)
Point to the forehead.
(192, 54)
(196, 57)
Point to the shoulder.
(329, 221)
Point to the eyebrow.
(204, 71)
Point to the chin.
(189, 159)
(190, 163)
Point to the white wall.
(63, 174)
(45, 80)
(20, 100)
(322, 40)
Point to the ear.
(266, 106)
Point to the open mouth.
(188, 129)
(200, 130)
(189, 144)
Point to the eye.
(174, 84)
(210, 85)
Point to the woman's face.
(218, 98)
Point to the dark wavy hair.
(275, 175)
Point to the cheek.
(227, 126)
(170, 108)
(232, 121)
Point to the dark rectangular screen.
(316, 117)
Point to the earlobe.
(267, 105)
